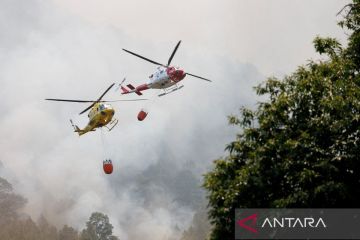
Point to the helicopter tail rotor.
(120, 84)
(77, 129)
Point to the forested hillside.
(15, 225)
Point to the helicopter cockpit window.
(101, 107)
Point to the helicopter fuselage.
(163, 78)
(100, 115)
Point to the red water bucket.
(108, 167)
(142, 115)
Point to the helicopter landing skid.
(112, 124)
(170, 90)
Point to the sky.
(73, 49)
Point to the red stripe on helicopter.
(124, 90)
(142, 87)
(130, 86)
(175, 75)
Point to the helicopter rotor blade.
(146, 59)
(126, 100)
(199, 77)
(94, 101)
(173, 53)
(105, 92)
(70, 100)
(110, 101)
(91, 101)
(86, 109)
(98, 100)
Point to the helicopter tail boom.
(77, 129)
(124, 90)
(132, 89)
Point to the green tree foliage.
(300, 148)
(98, 228)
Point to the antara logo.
(294, 222)
(287, 222)
(253, 219)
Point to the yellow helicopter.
(100, 115)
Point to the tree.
(300, 148)
(20, 229)
(98, 228)
(68, 233)
(10, 202)
(12, 226)
(47, 231)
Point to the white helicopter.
(166, 77)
